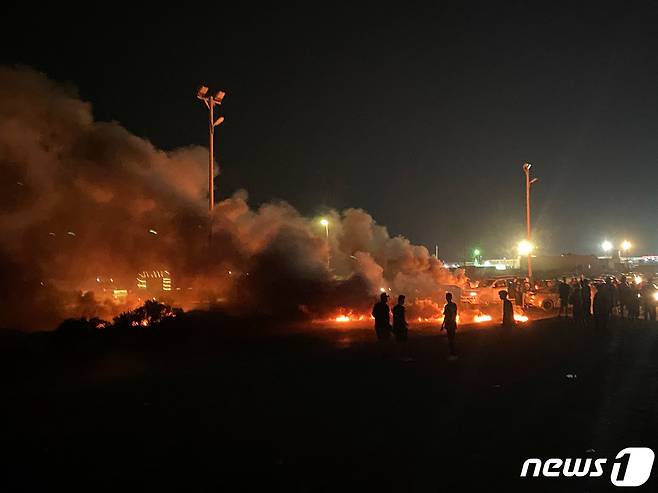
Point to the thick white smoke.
(82, 199)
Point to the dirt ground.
(216, 405)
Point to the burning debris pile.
(80, 197)
(150, 314)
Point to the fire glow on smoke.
(115, 205)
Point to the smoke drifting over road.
(85, 201)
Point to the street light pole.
(528, 184)
(324, 222)
(210, 102)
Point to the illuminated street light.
(626, 246)
(528, 185)
(324, 222)
(476, 252)
(210, 102)
(525, 248)
(606, 246)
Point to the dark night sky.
(423, 117)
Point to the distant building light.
(157, 279)
(120, 294)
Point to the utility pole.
(528, 184)
(210, 102)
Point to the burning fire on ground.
(345, 317)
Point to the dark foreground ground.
(210, 405)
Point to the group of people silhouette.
(611, 297)
(400, 329)
(586, 302)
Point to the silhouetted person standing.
(518, 292)
(400, 328)
(648, 301)
(508, 310)
(624, 295)
(563, 291)
(601, 307)
(382, 315)
(576, 301)
(526, 292)
(613, 293)
(634, 303)
(586, 295)
(450, 324)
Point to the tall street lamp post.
(528, 184)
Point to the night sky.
(423, 117)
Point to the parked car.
(546, 299)
(486, 291)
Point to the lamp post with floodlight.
(528, 184)
(625, 247)
(325, 222)
(211, 101)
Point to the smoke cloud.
(86, 205)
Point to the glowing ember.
(520, 318)
(480, 318)
(342, 319)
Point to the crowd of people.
(599, 301)
(586, 302)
